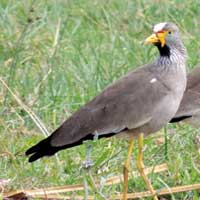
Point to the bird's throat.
(164, 51)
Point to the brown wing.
(128, 103)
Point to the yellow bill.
(156, 37)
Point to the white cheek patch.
(153, 80)
(159, 27)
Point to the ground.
(57, 55)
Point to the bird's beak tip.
(151, 39)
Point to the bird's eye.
(169, 32)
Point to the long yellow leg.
(126, 169)
(140, 166)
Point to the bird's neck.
(172, 56)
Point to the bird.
(189, 109)
(136, 105)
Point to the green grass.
(57, 55)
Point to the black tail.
(44, 147)
(178, 119)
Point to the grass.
(55, 56)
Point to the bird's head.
(165, 36)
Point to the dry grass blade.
(32, 115)
(70, 188)
(56, 38)
(52, 53)
(161, 192)
(117, 197)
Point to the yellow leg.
(140, 166)
(126, 169)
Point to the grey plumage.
(189, 110)
(142, 101)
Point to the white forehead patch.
(159, 27)
(153, 80)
